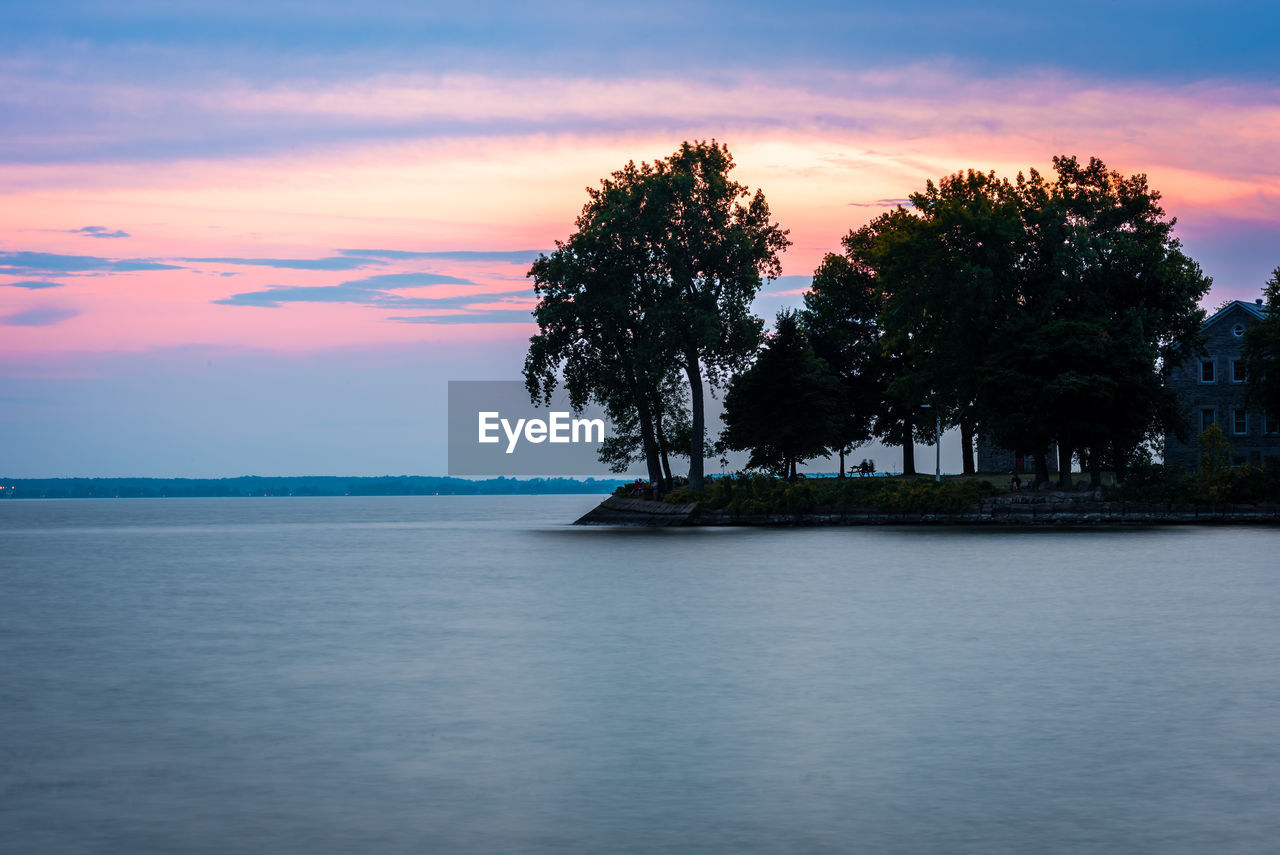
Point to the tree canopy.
(1261, 354)
(784, 407)
(1035, 311)
(657, 279)
(1040, 311)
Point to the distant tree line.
(303, 485)
(1039, 312)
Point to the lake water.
(471, 675)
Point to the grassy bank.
(761, 494)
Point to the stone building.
(1211, 389)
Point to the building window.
(1268, 424)
(1237, 371)
(1239, 422)
(1206, 371)
(1207, 417)
(1237, 330)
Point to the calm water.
(469, 675)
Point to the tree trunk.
(1064, 462)
(1117, 456)
(966, 445)
(909, 447)
(662, 453)
(1042, 469)
(647, 435)
(841, 475)
(650, 446)
(694, 372)
(1095, 469)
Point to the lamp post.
(937, 442)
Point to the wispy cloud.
(33, 285)
(518, 256)
(409, 280)
(510, 316)
(98, 232)
(444, 305)
(49, 262)
(40, 317)
(371, 291)
(882, 203)
(331, 263)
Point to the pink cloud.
(510, 174)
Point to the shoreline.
(1047, 509)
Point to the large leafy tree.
(840, 317)
(595, 330)
(884, 254)
(1261, 355)
(1039, 310)
(1099, 262)
(786, 405)
(658, 279)
(950, 281)
(714, 244)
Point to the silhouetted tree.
(1107, 291)
(596, 328)
(713, 244)
(950, 280)
(840, 318)
(884, 252)
(785, 406)
(1261, 355)
(658, 278)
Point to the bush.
(1214, 484)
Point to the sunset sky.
(260, 237)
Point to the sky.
(260, 237)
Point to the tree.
(669, 413)
(783, 408)
(595, 328)
(1261, 354)
(1100, 256)
(881, 252)
(714, 253)
(951, 280)
(1040, 311)
(840, 316)
(658, 278)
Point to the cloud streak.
(45, 316)
(101, 232)
(167, 121)
(452, 300)
(50, 262)
(517, 256)
(333, 263)
(33, 285)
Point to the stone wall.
(1038, 509)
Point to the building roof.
(1255, 309)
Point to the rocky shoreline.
(1038, 509)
